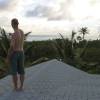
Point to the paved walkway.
(53, 80)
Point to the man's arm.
(10, 50)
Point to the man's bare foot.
(15, 89)
(20, 89)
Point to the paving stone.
(53, 80)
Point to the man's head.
(14, 23)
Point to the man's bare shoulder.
(22, 32)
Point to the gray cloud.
(38, 11)
(56, 11)
(6, 5)
(3, 3)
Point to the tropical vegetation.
(76, 50)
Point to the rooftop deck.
(53, 80)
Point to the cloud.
(3, 4)
(38, 11)
(50, 16)
(6, 5)
(53, 10)
(64, 9)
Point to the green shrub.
(92, 55)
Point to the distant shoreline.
(42, 37)
(50, 37)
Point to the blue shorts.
(17, 63)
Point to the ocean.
(42, 37)
(50, 37)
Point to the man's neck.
(16, 29)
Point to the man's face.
(12, 24)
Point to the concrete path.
(53, 80)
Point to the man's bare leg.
(15, 82)
(21, 82)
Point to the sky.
(51, 16)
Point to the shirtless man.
(16, 55)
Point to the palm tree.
(79, 38)
(72, 37)
(63, 48)
(83, 31)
